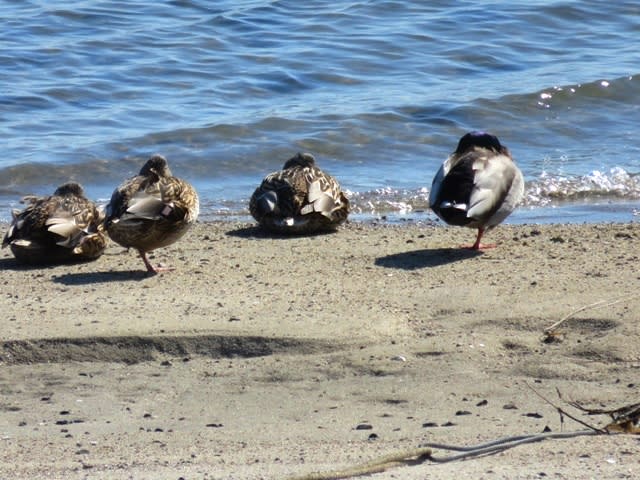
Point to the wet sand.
(270, 358)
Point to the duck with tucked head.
(299, 199)
(478, 186)
(151, 210)
(63, 227)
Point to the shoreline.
(263, 357)
(592, 211)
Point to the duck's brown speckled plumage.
(478, 186)
(151, 210)
(300, 199)
(63, 227)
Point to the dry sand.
(269, 358)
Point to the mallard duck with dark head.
(299, 199)
(64, 227)
(151, 210)
(478, 186)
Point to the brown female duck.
(300, 199)
(151, 210)
(63, 227)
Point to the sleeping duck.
(299, 199)
(63, 227)
(151, 210)
(478, 186)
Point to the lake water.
(378, 91)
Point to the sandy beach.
(272, 358)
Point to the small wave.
(622, 89)
(388, 200)
(547, 190)
(615, 184)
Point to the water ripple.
(378, 91)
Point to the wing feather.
(66, 227)
(492, 181)
(145, 205)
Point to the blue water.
(378, 91)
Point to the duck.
(299, 199)
(151, 210)
(61, 228)
(478, 185)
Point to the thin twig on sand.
(551, 330)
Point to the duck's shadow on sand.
(12, 264)
(258, 232)
(77, 278)
(86, 278)
(426, 258)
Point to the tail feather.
(267, 202)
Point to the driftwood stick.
(564, 413)
(598, 304)
(423, 454)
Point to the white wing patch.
(22, 242)
(66, 227)
(307, 209)
(315, 191)
(319, 200)
(146, 206)
(492, 182)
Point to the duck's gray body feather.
(478, 186)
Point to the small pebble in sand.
(364, 426)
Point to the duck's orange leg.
(150, 268)
(481, 246)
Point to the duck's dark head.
(156, 165)
(69, 188)
(301, 160)
(481, 140)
